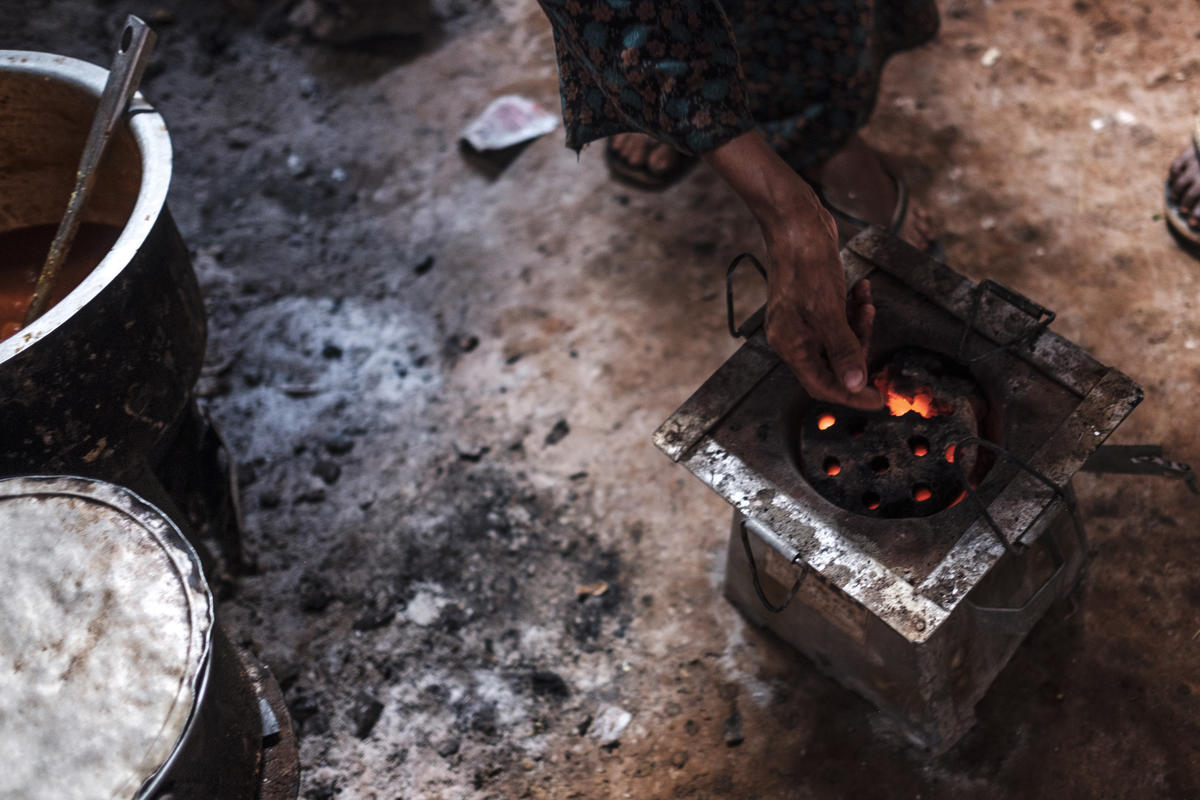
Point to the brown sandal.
(850, 225)
(1177, 222)
(640, 176)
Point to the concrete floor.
(419, 538)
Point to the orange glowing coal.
(899, 403)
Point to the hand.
(810, 324)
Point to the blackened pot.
(116, 679)
(95, 384)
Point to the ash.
(475, 577)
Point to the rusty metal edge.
(799, 534)
(716, 397)
(1025, 502)
(1058, 358)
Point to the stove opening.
(899, 461)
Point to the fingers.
(868, 399)
(1183, 175)
(846, 356)
(662, 158)
(632, 147)
(861, 313)
(1179, 182)
(638, 150)
(918, 228)
(812, 370)
(1190, 197)
(1179, 164)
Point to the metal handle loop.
(739, 331)
(758, 590)
(1012, 459)
(1016, 618)
(1041, 315)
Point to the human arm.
(810, 324)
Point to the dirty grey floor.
(441, 388)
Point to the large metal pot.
(116, 679)
(94, 385)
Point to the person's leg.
(856, 181)
(813, 85)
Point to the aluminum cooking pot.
(94, 385)
(116, 679)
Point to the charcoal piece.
(558, 432)
(733, 732)
(366, 713)
(327, 470)
(315, 593)
(549, 684)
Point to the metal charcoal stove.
(909, 551)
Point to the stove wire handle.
(758, 589)
(1041, 315)
(755, 320)
(1012, 459)
(1140, 459)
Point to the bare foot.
(855, 181)
(1184, 180)
(638, 149)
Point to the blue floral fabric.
(697, 73)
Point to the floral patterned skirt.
(697, 73)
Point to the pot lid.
(105, 626)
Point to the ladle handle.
(124, 75)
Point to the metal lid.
(105, 630)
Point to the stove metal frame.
(923, 648)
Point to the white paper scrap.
(509, 120)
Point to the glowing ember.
(921, 493)
(922, 403)
(950, 454)
(832, 467)
(825, 422)
(919, 445)
(899, 403)
(962, 496)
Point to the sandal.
(1177, 222)
(935, 250)
(640, 176)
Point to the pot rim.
(154, 147)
